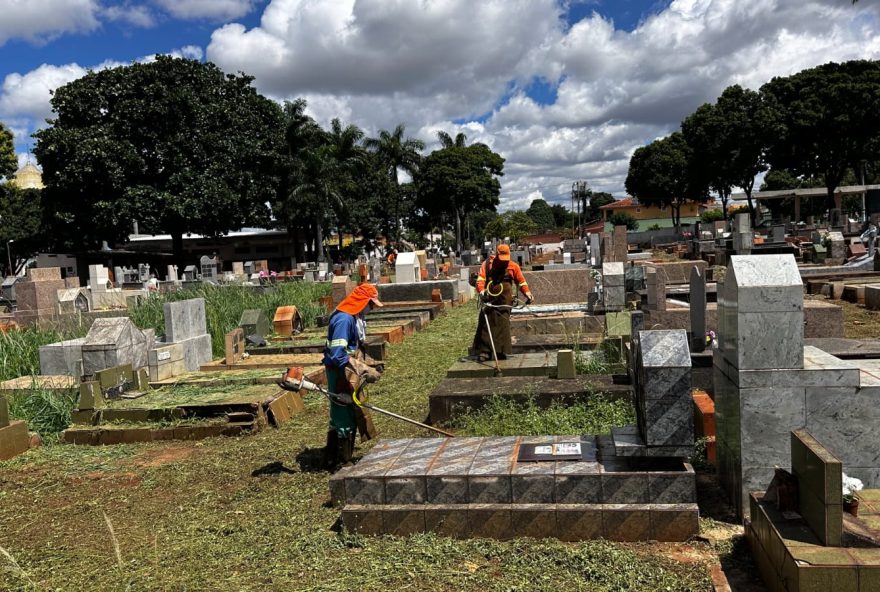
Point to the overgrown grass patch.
(501, 417)
(45, 411)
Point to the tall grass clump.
(224, 305)
(501, 417)
(45, 411)
(20, 350)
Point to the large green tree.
(539, 211)
(459, 179)
(176, 145)
(8, 160)
(397, 152)
(831, 121)
(729, 141)
(513, 225)
(660, 174)
(21, 221)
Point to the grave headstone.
(171, 274)
(210, 268)
(698, 310)
(233, 347)
(287, 320)
(37, 296)
(664, 406)
(655, 283)
(113, 342)
(166, 361)
(237, 268)
(185, 323)
(341, 287)
(614, 290)
(595, 250)
(565, 364)
(620, 243)
(255, 322)
(407, 268)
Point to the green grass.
(46, 412)
(20, 350)
(224, 305)
(500, 417)
(192, 515)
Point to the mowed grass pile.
(251, 514)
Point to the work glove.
(484, 296)
(529, 299)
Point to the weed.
(500, 417)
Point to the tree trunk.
(724, 197)
(177, 250)
(298, 251)
(319, 240)
(339, 230)
(457, 230)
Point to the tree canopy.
(513, 225)
(8, 160)
(175, 144)
(830, 119)
(729, 141)
(539, 211)
(459, 179)
(660, 174)
(396, 152)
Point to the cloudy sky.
(564, 90)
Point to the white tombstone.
(98, 278)
(171, 275)
(566, 258)
(407, 268)
(595, 250)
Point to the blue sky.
(565, 90)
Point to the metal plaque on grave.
(551, 451)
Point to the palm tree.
(446, 140)
(398, 153)
(317, 187)
(343, 144)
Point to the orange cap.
(357, 301)
(503, 252)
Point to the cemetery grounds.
(252, 513)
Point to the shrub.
(710, 216)
(624, 219)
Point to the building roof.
(811, 192)
(540, 239)
(620, 203)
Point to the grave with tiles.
(569, 487)
(806, 541)
(768, 382)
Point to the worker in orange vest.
(497, 283)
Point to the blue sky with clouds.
(564, 90)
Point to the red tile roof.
(620, 203)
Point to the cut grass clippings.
(250, 514)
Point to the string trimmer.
(294, 380)
(483, 307)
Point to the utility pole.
(9, 256)
(579, 195)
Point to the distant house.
(649, 216)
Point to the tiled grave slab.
(476, 487)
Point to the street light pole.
(9, 256)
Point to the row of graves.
(134, 386)
(784, 403)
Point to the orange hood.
(359, 298)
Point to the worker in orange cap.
(345, 370)
(497, 283)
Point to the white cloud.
(42, 20)
(136, 15)
(27, 95)
(429, 63)
(207, 9)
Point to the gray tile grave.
(477, 487)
